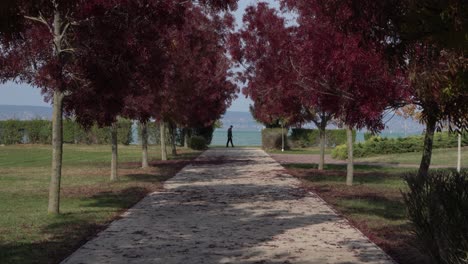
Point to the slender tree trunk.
(57, 128)
(282, 137)
(162, 128)
(427, 151)
(173, 129)
(350, 164)
(459, 153)
(144, 145)
(322, 147)
(57, 151)
(114, 175)
(186, 138)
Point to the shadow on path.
(235, 206)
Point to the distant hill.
(398, 124)
(240, 120)
(25, 112)
(394, 124)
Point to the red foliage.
(197, 88)
(263, 48)
(313, 65)
(121, 54)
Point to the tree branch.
(40, 19)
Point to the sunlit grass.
(440, 157)
(89, 200)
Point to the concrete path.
(231, 206)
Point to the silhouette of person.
(229, 137)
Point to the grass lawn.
(444, 157)
(88, 200)
(374, 204)
(311, 150)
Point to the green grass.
(440, 157)
(311, 150)
(374, 203)
(369, 176)
(88, 199)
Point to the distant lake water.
(239, 138)
(254, 138)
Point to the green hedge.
(271, 138)
(11, 132)
(40, 132)
(301, 137)
(438, 208)
(198, 143)
(205, 132)
(378, 145)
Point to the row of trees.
(100, 60)
(353, 61)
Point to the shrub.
(341, 152)
(301, 137)
(438, 208)
(367, 136)
(205, 132)
(198, 143)
(377, 145)
(271, 138)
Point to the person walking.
(229, 137)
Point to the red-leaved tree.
(89, 57)
(314, 66)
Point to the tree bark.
(322, 147)
(350, 164)
(427, 150)
(114, 175)
(57, 152)
(459, 152)
(144, 145)
(186, 137)
(162, 129)
(282, 137)
(172, 129)
(57, 128)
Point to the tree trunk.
(173, 129)
(57, 151)
(282, 137)
(459, 152)
(57, 128)
(322, 147)
(350, 164)
(162, 129)
(144, 145)
(427, 150)
(114, 175)
(186, 137)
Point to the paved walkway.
(231, 206)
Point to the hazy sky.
(21, 94)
